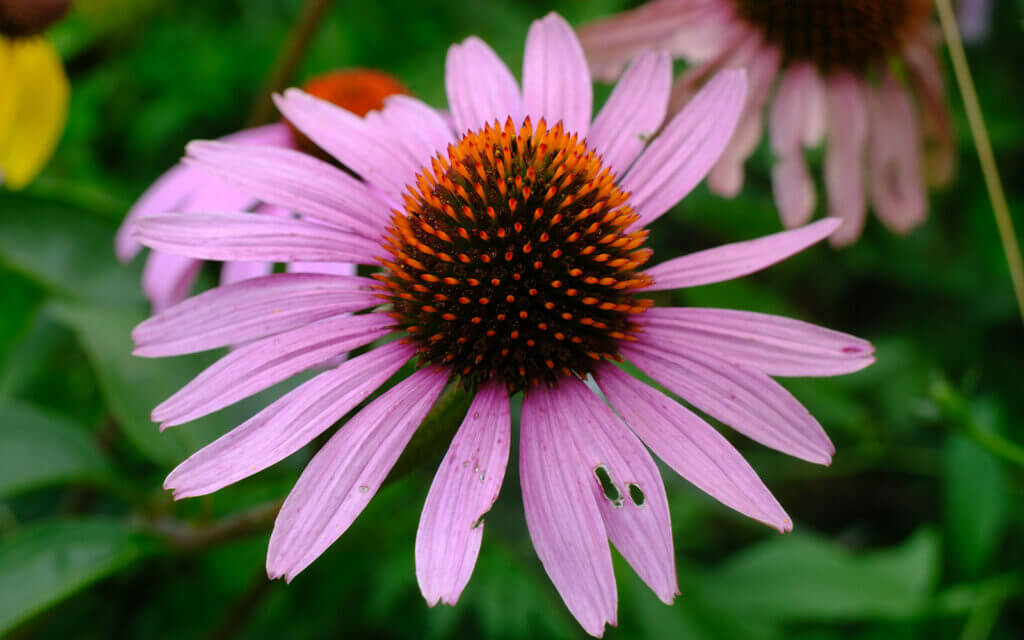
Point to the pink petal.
(347, 137)
(481, 90)
(798, 111)
(168, 193)
(347, 472)
(258, 365)
(636, 515)
(844, 171)
(413, 126)
(556, 81)
(775, 345)
(244, 236)
(168, 278)
(287, 425)
(562, 516)
(326, 268)
(737, 259)
(691, 447)
(634, 111)
(463, 491)
(687, 148)
(794, 190)
(232, 272)
(894, 170)
(295, 181)
(745, 399)
(248, 310)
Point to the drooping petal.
(745, 399)
(793, 189)
(255, 366)
(249, 310)
(844, 156)
(34, 77)
(346, 473)
(232, 272)
(773, 344)
(692, 447)
(633, 112)
(295, 181)
(627, 486)
(287, 425)
(167, 278)
(737, 259)
(244, 236)
(347, 137)
(556, 81)
(687, 148)
(480, 88)
(562, 515)
(936, 122)
(894, 170)
(798, 111)
(463, 491)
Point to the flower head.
(509, 240)
(859, 74)
(33, 89)
(168, 278)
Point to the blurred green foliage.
(914, 532)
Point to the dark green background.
(914, 531)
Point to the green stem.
(984, 148)
(280, 76)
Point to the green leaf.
(40, 450)
(799, 577)
(977, 496)
(43, 564)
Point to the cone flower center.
(835, 34)
(513, 258)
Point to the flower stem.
(299, 39)
(984, 147)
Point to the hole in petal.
(607, 486)
(636, 494)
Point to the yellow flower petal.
(33, 108)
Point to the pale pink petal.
(481, 90)
(726, 177)
(844, 155)
(347, 137)
(295, 181)
(562, 515)
(794, 191)
(346, 473)
(232, 272)
(634, 507)
(168, 278)
(894, 170)
(556, 81)
(687, 148)
(737, 259)
(691, 447)
(168, 193)
(244, 236)
(633, 113)
(326, 268)
(745, 399)
(287, 425)
(798, 111)
(414, 127)
(463, 491)
(248, 310)
(255, 366)
(773, 344)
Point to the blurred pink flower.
(975, 18)
(168, 278)
(862, 76)
(511, 256)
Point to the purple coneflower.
(861, 74)
(168, 278)
(512, 255)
